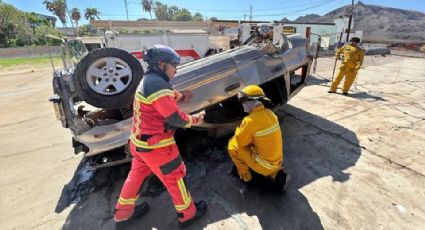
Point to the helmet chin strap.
(165, 70)
(162, 70)
(155, 67)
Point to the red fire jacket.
(156, 114)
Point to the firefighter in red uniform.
(155, 117)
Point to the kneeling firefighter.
(257, 143)
(156, 115)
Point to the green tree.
(87, 30)
(57, 7)
(161, 12)
(198, 17)
(182, 15)
(147, 6)
(172, 10)
(34, 20)
(14, 27)
(76, 16)
(43, 30)
(91, 14)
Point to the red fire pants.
(167, 165)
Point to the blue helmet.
(161, 53)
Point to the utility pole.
(126, 9)
(349, 20)
(67, 11)
(250, 13)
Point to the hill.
(378, 23)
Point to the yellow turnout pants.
(245, 158)
(350, 76)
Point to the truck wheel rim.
(109, 76)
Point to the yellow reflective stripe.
(183, 206)
(143, 144)
(186, 198)
(153, 97)
(264, 163)
(140, 98)
(127, 201)
(267, 130)
(183, 190)
(137, 118)
(163, 92)
(190, 122)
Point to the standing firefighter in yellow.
(353, 60)
(257, 144)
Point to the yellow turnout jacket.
(260, 130)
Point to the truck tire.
(108, 78)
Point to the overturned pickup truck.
(93, 94)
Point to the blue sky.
(222, 9)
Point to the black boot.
(234, 172)
(201, 209)
(139, 211)
(282, 181)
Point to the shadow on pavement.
(354, 93)
(316, 79)
(314, 148)
(366, 96)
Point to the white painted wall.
(324, 30)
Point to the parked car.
(93, 99)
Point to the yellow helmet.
(251, 92)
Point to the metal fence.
(29, 51)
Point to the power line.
(80, 1)
(350, 19)
(126, 8)
(138, 15)
(245, 11)
(266, 9)
(240, 13)
(120, 15)
(329, 9)
(296, 11)
(292, 7)
(250, 13)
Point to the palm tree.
(147, 6)
(91, 14)
(76, 16)
(57, 7)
